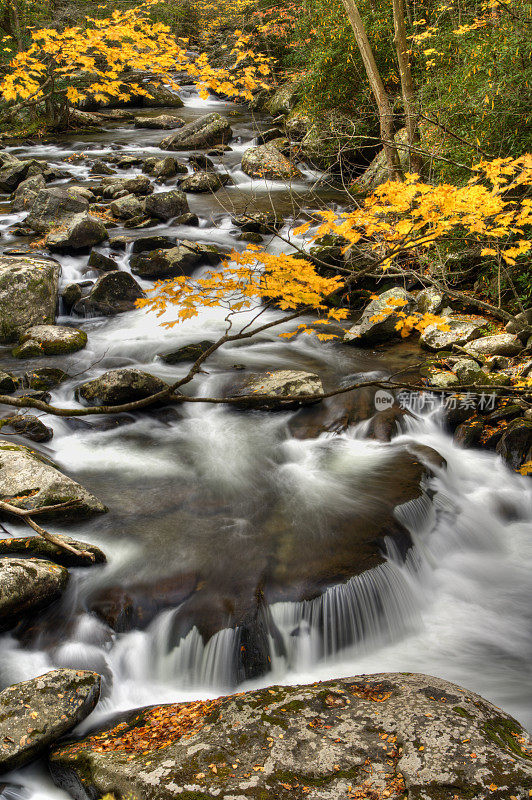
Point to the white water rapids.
(458, 607)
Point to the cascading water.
(211, 492)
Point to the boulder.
(37, 547)
(27, 191)
(27, 585)
(127, 207)
(379, 318)
(280, 384)
(35, 713)
(101, 261)
(258, 222)
(166, 205)
(502, 344)
(8, 383)
(205, 181)
(162, 168)
(13, 172)
(81, 232)
(71, 295)
(521, 325)
(515, 445)
(29, 480)
(50, 340)
(284, 99)
(44, 378)
(392, 735)
(101, 168)
(206, 131)
(139, 185)
(54, 207)
(153, 95)
(377, 172)
(28, 293)
(443, 379)
(120, 386)
(267, 162)
(469, 372)
(180, 260)
(157, 242)
(461, 331)
(112, 293)
(159, 96)
(429, 301)
(161, 121)
(189, 352)
(28, 425)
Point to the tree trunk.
(15, 23)
(377, 87)
(407, 86)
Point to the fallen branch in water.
(27, 513)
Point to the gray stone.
(139, 185)
(120, 386)
(521, 325)
(37, 547)
(71, 294)
(8, 383)
(28, 425)
(205, 181)
(279, 384)
(189, 352)
(468, 371)
(502, 344)
(443, 380)
(461, 331)
(127, 207)
(429, 301)
(206, 131)
(14, 172)
(53, 208)
(515, 445)
(113, 293)
(81, 232)
(162, 168)
(284, 99)
(180, 260)
(26, 585)
(29, 480)
(379, 318)
(35, 713)
(28, 293)
(50, 340)
(101, 261)
(267, 162)
(44, 378)
(27, 191)
(258, 222)
(373, 736)
(166, 205)
(161, 121)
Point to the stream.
(232, 531)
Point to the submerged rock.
(28, 480)
(120, 386)
(372, 736)
(28, 294)
(189, 352)
(113, 293)
(207, 131)
(35, 713)
(37, 547)
(50, 340)
(27, 584)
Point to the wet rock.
(29, 426)
(8, 383)
(284, 99)
(13, 172)
(468, 371)
(166, 205)
(101, 168)
(101, 261)
(187, 219)
(147, 243)
(50, 340)
(159, 97)
(205, 181)
(206, 131)
(53, 208)
(140, 185)
(258, 222)
(161, 121)
(127, 207)
(468, 434)
(28, 293)
(44, 378)
(71, 294)
(189, 352)
(80, 233)
(113, 293)
(120, 386)
(269, 135)
(386, 424)
(267, 162)
(502, 344)
(36, 713)
(37, 547)
(164, 167)
(515, 446)
(200, 161)
(27, 585)
(29, 480)
(180, 260)
(461, 331)
(379, 318)
(328, 735)
(280, 384)
(26, 192)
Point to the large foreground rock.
(28, 294)
(368, 737)
(120, 386)
(27, 584)
(206, 131)
(28, 480)
(379, 318)
(35, 713)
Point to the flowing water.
(212, 508)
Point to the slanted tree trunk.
(377, 87)
(407, 86)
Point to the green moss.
(462, 712)
(504, 732)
